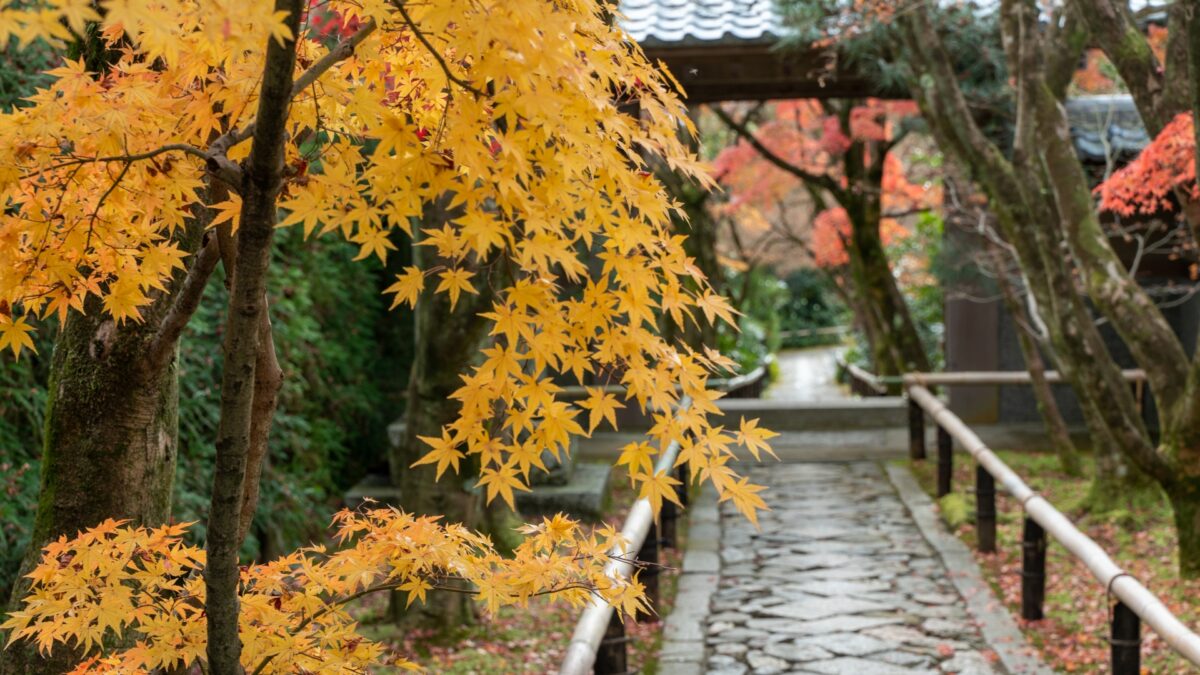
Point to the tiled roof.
(700, 22)
(1104, 126)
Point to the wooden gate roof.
(728, 50)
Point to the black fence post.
(685, 480)
(985, 509)
(669, 516)
(945, 465)
(611, 657)
(1033, 570)
(647, 559)
(916, 430)
(1126, 641)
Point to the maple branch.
(187, 300)
(128, 159)
(392, 586)
(340, 52)
(412, 25)
(825, 182)
(268, 380)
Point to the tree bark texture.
(243, 328)
(110, 448)
(1032, 222)
(446, 344)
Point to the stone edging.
(995, 622)
(682, 650)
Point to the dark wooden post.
(985, 509)
(611, 658)
(945, 461)
(647, 559)
(669, 515)
(1033, 570)
(1126, 641)
(916, 431)
(685, 479)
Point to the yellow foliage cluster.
(115, 581)
(511, 108)
(516, 114)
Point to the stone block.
(583, 497)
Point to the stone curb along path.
(849, 574)
(683, 645)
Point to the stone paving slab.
(839, 581)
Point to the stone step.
(883, 412)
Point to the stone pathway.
(838, 580)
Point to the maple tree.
(839, 158)
(148, 583)
(1042, 202)
(1165, 169)
(236, 116)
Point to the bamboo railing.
(1135, 603)
(598, 643)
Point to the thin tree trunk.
(243, 329)
(1056, 427)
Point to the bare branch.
(824, 182)
(187, 300)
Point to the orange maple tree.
(1165, 168)
(803, 133)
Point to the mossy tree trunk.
(111, 435)
(110, 448)
(1045, 210)
(446, 344)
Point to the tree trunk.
(445, 346)
(244, 329)
(1056, 428)
(897, 349)
(110, 447)
(872, 272)
(1185, 501)
(112, 413)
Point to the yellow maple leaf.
(408, 286)
(502, 481)
(601, 406)
(639, 457)
(14, 334)
(445, 453)
(454, 282)
(745, 497)
(754, 438)
(657, 487)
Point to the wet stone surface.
(838, 581)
